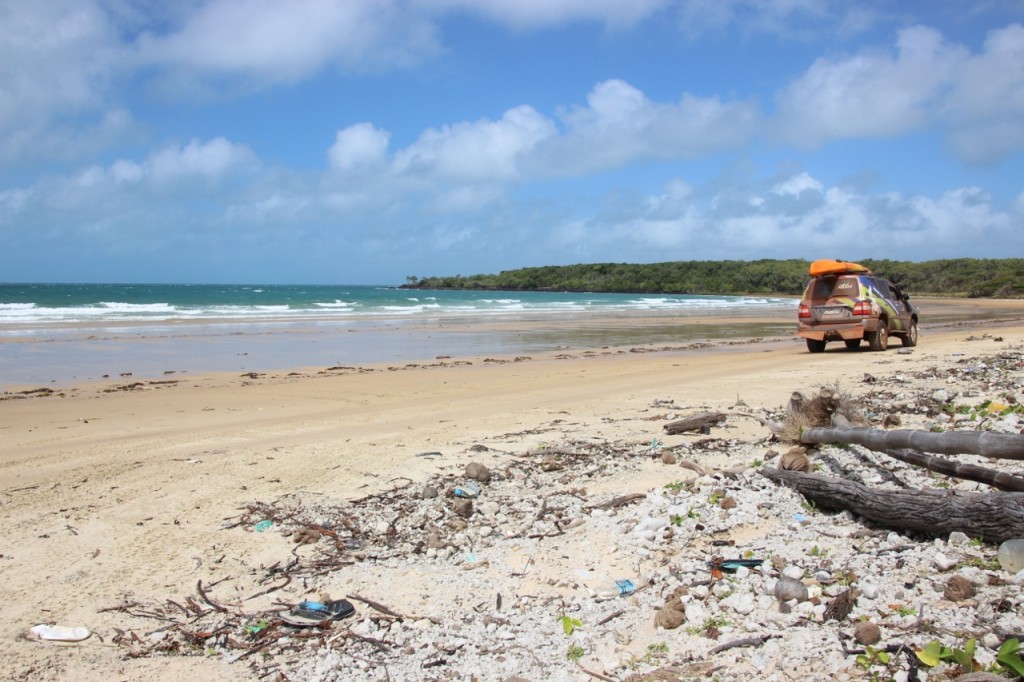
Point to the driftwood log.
(969, 472)
(697, 422)
(985, 443)
(993, 517)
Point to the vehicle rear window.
(827, 287)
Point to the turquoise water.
(63, 333)
(56, 304)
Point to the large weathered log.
(986, 443)
(970, 472)
(696, 422)
(993, 517)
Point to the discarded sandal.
(59, 633)
(308, 613)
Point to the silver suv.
(852, 306)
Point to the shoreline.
(84, 353)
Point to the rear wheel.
(815, 346)
(910, 338)
(879, 339)
(852, 344)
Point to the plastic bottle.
(619, 588)
(1011, 555)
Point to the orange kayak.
(835, 267)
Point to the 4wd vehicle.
(845, 301)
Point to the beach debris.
(840, 607)
(619, 588)
(468, 490)
(660, 531)
(308, 613)
(788, 589)
(795, 459)
(958, 588)
(992, 516)
(701, 423)
(59, 633)
(478, 472)
(1011, 555)
(306, 536)
(867, 633)
(463, 507)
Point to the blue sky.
(364, 141)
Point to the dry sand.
(110, 495)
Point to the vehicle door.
(901, 319)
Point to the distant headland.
(957, 277)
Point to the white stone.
(742, 604)
(695, 613)
(942, 562)
(957, 538)
(868, 590)
(992, 640)
(794, 572)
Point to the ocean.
(40, 306)
(57, 333)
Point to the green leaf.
(931, 654)
(1009, 656)
(570, 624)
(1010, 646)
(968, 654)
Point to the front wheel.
(910, 338)
(879, 339)
(815, 346)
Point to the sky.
(369, 141)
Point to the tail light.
(863, 308)
(803, 311)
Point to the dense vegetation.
(970, 277)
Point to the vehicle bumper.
(841, 330)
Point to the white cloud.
(480, 151)
(615, 14)
(359, 146)
(206, 161)
(985, 106)
(788, 18)
(685, 223)
(798, 184)
(976, 101)
(621, 125)
(871, 94)
(268, 42)
(60, 61)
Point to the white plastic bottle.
(619, 588)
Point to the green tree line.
(963, 277)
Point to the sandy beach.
(119, 491)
